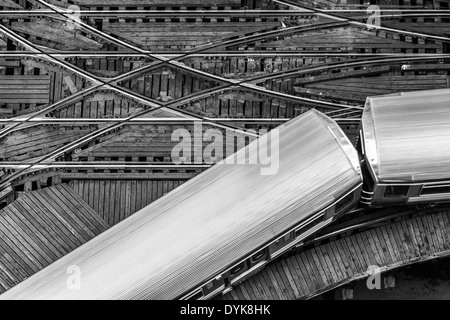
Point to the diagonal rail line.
(162, 60)
(353, 21)
(94, 79)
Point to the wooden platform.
(181, 35)
(352, 39)
(38, 141)
(147, 3)
(116, 200)
(57, 33)
(327, 266)
(24, 89)
(358, 89)
(41, 227)
(150, 143)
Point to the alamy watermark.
(374, 19)
(73, 281)
(374, 279)
(74, 19)
(263, 148)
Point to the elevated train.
(225, 224)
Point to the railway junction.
(92, 92)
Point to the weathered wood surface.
(37, 141)
(99, 105)
(24, 89)
(355, 4)
(10, 4)
(327, 266)
(115, 200)
(351, 39)
(41, 227)
(167, 35)
(153, 144)
(56, 32)
(358, 89)
(151, 3)
(435, 28)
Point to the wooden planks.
(154, 144)
(37, 141)
(41, 227)
(56, 32)
(358, 89)
(165, 35)
(326, 266)
(351, 39)
(157, 3)
(435, 28)
(10, 4)
(116, 200)
(24, 89)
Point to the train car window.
(396, 191)
(196, 296)
(287, 237)
(435, 190)
(212, 285)
(344, 202)
(330, 212)
(302, 230)
(259, 255)
(237, 269)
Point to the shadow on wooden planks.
(39, 228)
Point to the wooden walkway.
(39, 228)
(38, 141)
(152, 143)
(160, 36)
(25, 89)
(327, 266)
(115, 200)
(359, 89)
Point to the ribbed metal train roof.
(408, 136)
(192, 233)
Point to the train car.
(406, 148)
(218, 228)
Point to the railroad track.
(171, 58)
(344, 251)
(236, 13)
(100, 83)
(242, 46)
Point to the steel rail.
(335, 65)
(86, 138)
(102, 35)
(83, 93)
(282, 74)
(87, 121)
(288, 73)
(349, 226)
(101, 164)
(74, 144)
(160, 13)
(214, 13)
(215, 54)
(206, 12)
(355, 22)
(118, 42)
